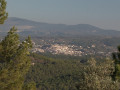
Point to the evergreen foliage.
(14, 58)
(97, 76)
(54, 74)
(116, 57)
(30, 86)
(14, 61)
(3, 13)
(60, 74)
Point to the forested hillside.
(56, 74)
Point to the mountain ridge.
(33, 28)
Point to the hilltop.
(33, 28)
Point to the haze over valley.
(75, 40)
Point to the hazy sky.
(102, 13)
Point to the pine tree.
(3, 13)
(14, 57)
(98, 76)
(30, 86)
(9, 45)
(14, 61)
(116, 57)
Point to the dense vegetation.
(14, 58)
(14, 61)
(3, 13)
(97, 76)
(56, 74)
(116, 57)
(51, 73)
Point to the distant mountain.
(28, 27)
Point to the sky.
(101, 13)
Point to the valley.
(76, 46)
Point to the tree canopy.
(98, 76)
(14, 61)
(116, 57)
(3, 13)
